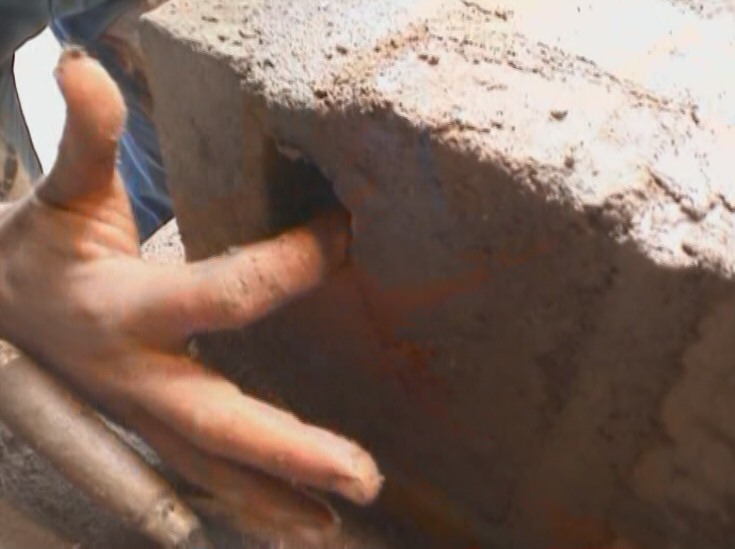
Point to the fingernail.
(68, 52)
(368, 481)
(358, 478)
(72, 51)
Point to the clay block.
(534, 336)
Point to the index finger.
(231, 291)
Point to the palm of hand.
(75, 295)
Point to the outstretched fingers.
(258, 502)
(217, 417)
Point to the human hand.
(75, 295)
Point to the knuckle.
(207, 429)
(233, 295)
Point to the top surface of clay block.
(291, 46)
(638, 130)
(673, 49)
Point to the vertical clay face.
(502, 373)
(503, 360)
(520, 328)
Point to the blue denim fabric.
(82, 22)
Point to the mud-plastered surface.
(543, 217)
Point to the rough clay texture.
(535, 334)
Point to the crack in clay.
(729, 206)
(477, 6)
(461, 126)
(662, 182)
(500, 14)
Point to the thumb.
(95, 118)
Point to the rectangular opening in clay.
(296, 189)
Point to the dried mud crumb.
(695, 116)
(689, 249)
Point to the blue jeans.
(140, 164)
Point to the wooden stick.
(75, 440)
